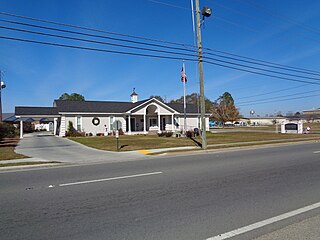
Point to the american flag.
(183, 74)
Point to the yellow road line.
(146, 152)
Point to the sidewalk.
(23, 160)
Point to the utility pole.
(2, 85)
(202, 102)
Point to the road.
(197, 196)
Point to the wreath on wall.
(95, 121)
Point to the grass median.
(7, 146)
(139, 142)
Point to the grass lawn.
(7, 146)
(140, 142)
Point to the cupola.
(134, 96)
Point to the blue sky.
(285, 32)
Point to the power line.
(279, 97)
(169, 5)
(92, 29)
(307, 71)
(283, 17)
(254, 59)
(261, 64)
(262, 69)
(95, 35)
(143, 38)
(181, 58)
(95, 49)
(268, 93)
(148, 49)
(94, 41)
(236, 24)
(151, 55)
(142, 43)
(262, 74)
(288, 99)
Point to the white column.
(21, 129)
(129, 122)
(55, 125)
(144, 123)
(159, 130)
(172, 122)
(198, 124)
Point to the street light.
(2, 86)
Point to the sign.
(117, 133)
(291, 126)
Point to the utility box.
(292, 127)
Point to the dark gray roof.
(95, 106)
(111, 107)
(36, 111)
(7, 115)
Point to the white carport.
(32, 114)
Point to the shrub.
(168, 134)
(7, 130)
(70, 127)
(190, 134)
(160, 134)
(27, 127)
(165, 134)
(75, 134)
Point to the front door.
(133, 124)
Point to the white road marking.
(263, 223)
(108, 179)
(316, 152)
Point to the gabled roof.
(149, 101)
(191, 108)
(95, 106)
(36, 111)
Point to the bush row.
(7, 130)
(165, 134)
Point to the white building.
(103, 117)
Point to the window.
(78, 123)
(153, 122)
(111, 122)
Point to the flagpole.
(184, 80)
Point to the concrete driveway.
(46, 146)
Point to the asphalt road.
(183, 197)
